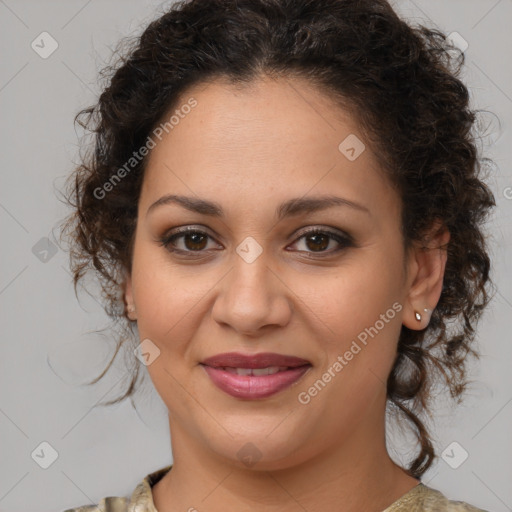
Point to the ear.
(426, 266)
(128, 298)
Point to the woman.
(285, 197)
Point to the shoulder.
(141, 499)
(110, 504)
(426, 499)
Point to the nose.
(252, 298)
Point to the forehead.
(271, 136)
(258, 116)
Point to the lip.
(262, 360)
(254, 386)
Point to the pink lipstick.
(254, 376)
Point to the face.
(270, 267)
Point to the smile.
(254, 383)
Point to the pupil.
(316, 238)
(196, 239)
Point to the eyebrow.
(289, 208)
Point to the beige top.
(419, 499)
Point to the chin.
(260, 451)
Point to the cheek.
(166, 311)
(359, 318)
(355, 298)
(165, 297)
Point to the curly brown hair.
(401, 83)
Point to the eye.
(317, 240)
(193, 240)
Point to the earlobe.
(426, 280)
(423, 318)
(418, 315)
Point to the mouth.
(254, 376)
(269, 370)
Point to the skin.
(250, 149)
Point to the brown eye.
(196, 241)
(318, 240)
(185, 240)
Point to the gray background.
(49, 347)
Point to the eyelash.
(344, 240)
